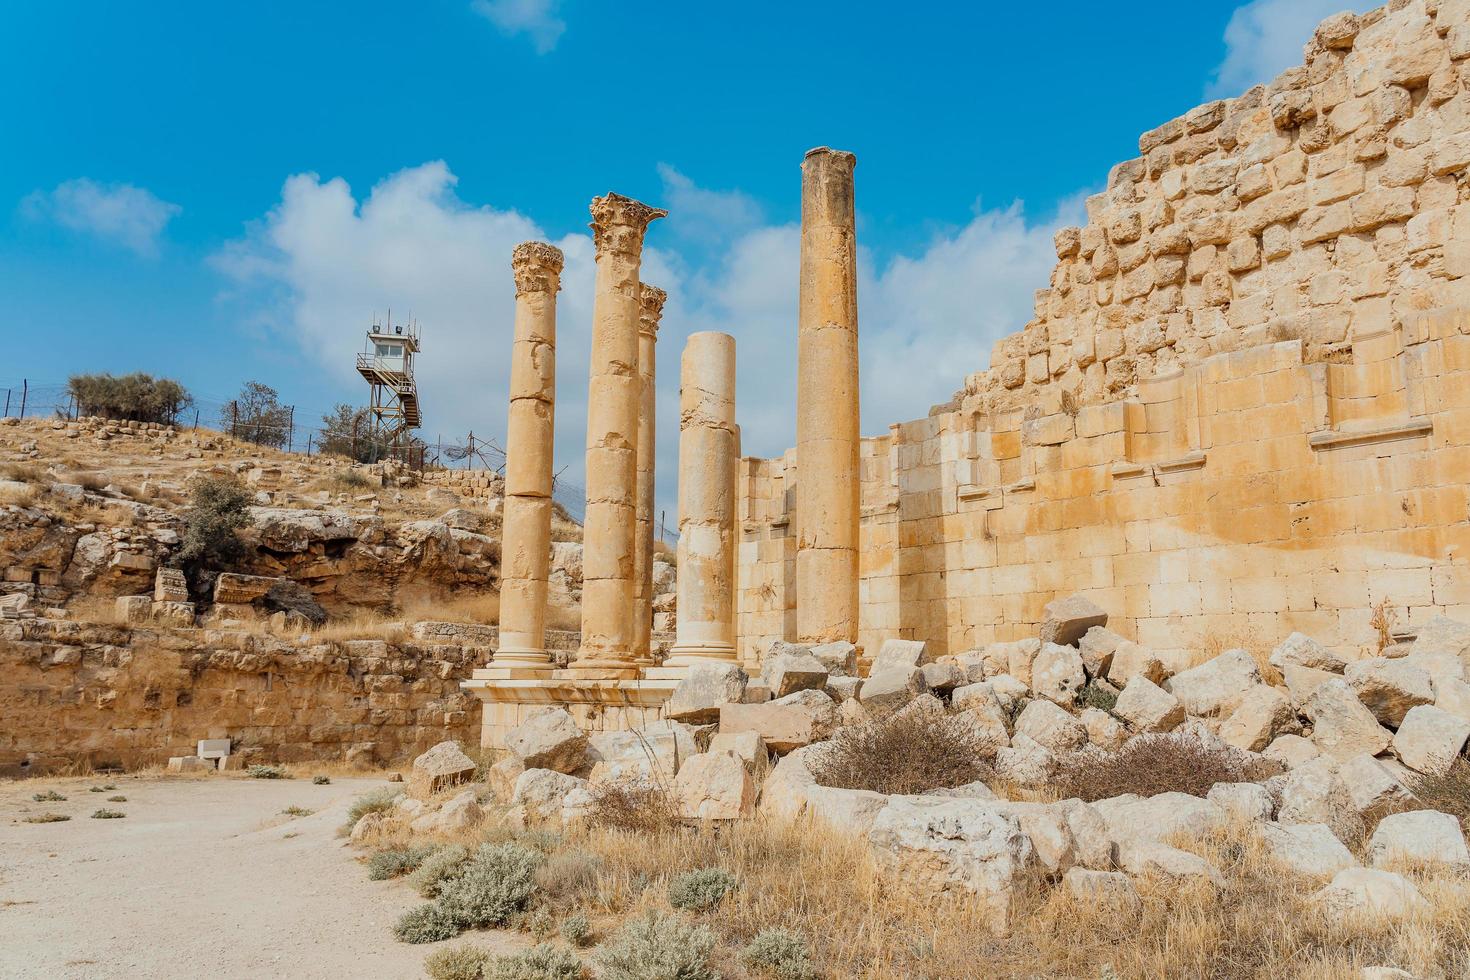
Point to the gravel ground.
(204, 878)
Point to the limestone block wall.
(1240, 409)
(129, 696)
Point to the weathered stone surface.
(1341, 725)
(1103, 730)
(1147, 856)
(501, 777)
(715, 786)
(901, 653)
(886, 691)
(748, 747)
(1263, 714)
(785, 723)
(1064, 621)
(460, 813)
(956, 846)
(1131, 660)
(1015, 658)
(1097, 646)
(851, 810)
(1158, 817)
(1300, 650)
(1372, 893)
(839, 657)
(1450, 694)
(1389, 688)
(843, 688)
(1148, 707)
(438, 769)
(1370, 783)
(942, 676)
(1051, 727)
(1302, 682)
(1418, 837)
(1216, 687)
(783, 794)
(1025, 762)
(791, 672)
(1247, 802)
(704, 689)
(652, 753)
(540, 793)
(1057, 674)
(549, 739)
(1291, 750)
(367, 826)
(1430, 739)
(1307, 849)
(1314, 793)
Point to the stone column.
(827, 424)
(652, 307)
(707, 471)
(614, 393)
(526, 536)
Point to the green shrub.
(297, 811)
(133, 397)
(108, 814)
(436, 868)
(541, 925)
(117, 799)
(96, 789)
(49, 818)
(395, 862)
(1094, 696)
(426, 924)
(109, 787)
(50, 796)
(378, 801)
(575, 929)
(265, 772)
(780, 954)
(544, 962)
(321, 780)
(219, 507)
(701, 889)
(457, 963)
(494, 885)
(659, 946)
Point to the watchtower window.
(387, 350)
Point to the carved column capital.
(650, 309)
(537, 267)
(618, 223)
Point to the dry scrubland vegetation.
(632, 893)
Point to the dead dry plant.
(909, 752)
(1151, 764)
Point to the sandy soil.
(203, 878)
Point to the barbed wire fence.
(286, 429)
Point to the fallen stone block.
(840, 657)
(698, 697)
(1263, 714)
(1148, 707)
(1300, 650)
(1065, 621)
(441, 767)
(1051, 727)
(1371, 784)
(1370, 893)
(1342, 726)
(1111, 890)
(1314, 793)
(900, 653)
(886, 691)
(1057, 673)
(1216, 687)
(1307, 849)
(786, 723)
(1389, 688)
(1418, 837)
(1246, 802)
(714, 786)
(549, 739)
(1430, 739)
(540, 794)
(788, 673)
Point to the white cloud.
(129, 216)
(321, 261)
(536, 18)
(1265, 37)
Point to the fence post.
(290, 427)
(7, 404)
(234, 419)
(196, 420)
(25, 388)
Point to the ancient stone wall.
(128, 696)
(1241, 408)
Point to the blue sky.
(228, 192)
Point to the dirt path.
(203, 878)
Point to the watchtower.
(387, 365)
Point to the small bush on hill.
(426, 924)
(640, 807)
(50, 796)
(544, 962)
(219, 507)
(134, 397)
(378, 801)
(48, 818)
(438, 867)
(701, 889)
(780, 954)
(576, 930)
(909, 752)
(1093, 696)
(124, 799)
(396, 862)
(494, 885)
(457, 963)
(658, 945)
(321, 780)
(1153, 764)
(105, 814)
(266, 772)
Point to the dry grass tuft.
(1152, 764)
(1249, 639)
(633, 806)
(909, 752)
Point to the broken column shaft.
(651, 308)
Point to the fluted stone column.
(652, 307)
(614, 393)
(827, 424)
(708, 444)
(526, 536)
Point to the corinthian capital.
(650, 308)
(537, 267)
(618, 223)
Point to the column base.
(597, 704)
(521, 658)
(590, 672)
(689, 654)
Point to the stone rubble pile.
(1344, 738)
